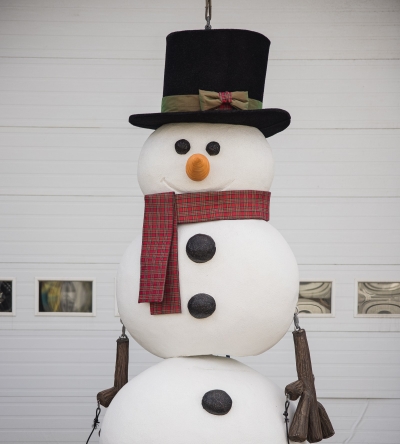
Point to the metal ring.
(123, 335)
(296, 320)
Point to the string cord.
(96, 421)
(286, 415)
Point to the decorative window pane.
(65, 297)
(6, 297)
(315, 298)
(378, 298)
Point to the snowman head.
(197, 157)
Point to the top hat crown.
(216, 76)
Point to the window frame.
(362, 315)
(65, 313)
(13, 312)
(332, 314)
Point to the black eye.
(182, 146)
(213, 148)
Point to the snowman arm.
(106, 396)
(294, 390)
(121, 373)
(326, 425)
(300, 423)
(310, 421)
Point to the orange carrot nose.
(197, 167)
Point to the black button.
(213, 148)
(201, 305)
(182, 146)
(200, 248)
(217, 402)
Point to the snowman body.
(164, 405)
(252, 278)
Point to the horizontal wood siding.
(71, 72)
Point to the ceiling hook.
(208, 14)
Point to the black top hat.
(216, 76)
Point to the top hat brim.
(269, 121)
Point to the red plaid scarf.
(159, 275)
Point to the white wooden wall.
(73, 71)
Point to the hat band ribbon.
(209, 100)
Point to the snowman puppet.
(209, 277)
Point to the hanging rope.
(208, 14)
(286, 415)
(96, 421)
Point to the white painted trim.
(73, 314)
(13, 296)
(332, 314)
(357, 315)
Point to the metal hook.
(208, 14)
(296, 320)
(123, 335)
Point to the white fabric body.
(254, 280)
(253, 276)
(163, 405)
